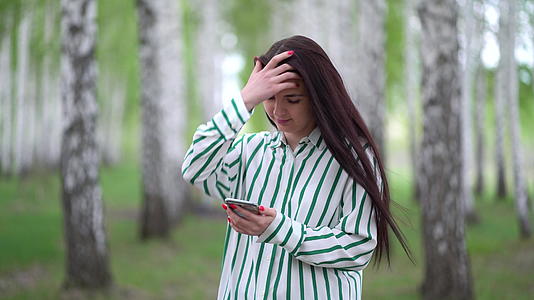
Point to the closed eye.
(293, 101)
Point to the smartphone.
(250, 206)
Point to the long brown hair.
(341, 123)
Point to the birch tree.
(87, 263)
(370, 85)
(510, 90)
(5, 105)
(209, 55)
(447, 270)
(20, 157)
(163, 115)
(412, 77)
(480, 100)
(480, 114)
(500, 100)
(466, 111)
(110, 125)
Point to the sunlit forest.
(99, 101)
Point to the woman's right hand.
(265, 83)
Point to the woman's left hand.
(251, 224)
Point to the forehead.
(300, 90)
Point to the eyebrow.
(293, 95)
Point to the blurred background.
(164, 67)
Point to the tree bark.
(209, 54)
(447, 269)
(466, 111)
(6, 105)
(370, 98)
(412, 77)
(20, 157)
(500, 100)
(480, 114)
(508, 65)
(87, 263)
(163, 116)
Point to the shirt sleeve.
(213, 160)
(347, 246)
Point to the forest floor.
(188, 265)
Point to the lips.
(280, 121)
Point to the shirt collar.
(314, 137)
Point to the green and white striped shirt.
(324, 232)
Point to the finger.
(257, 66)
(277, 59)
(268, 211)
(247, 214)
(239, 227)
(238, 220)
(282, 69)
(287, 76)
(285, 85)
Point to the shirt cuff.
(284, 232)
(232, 117)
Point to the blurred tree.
(164, 118)
(51, 122)
(112, 103)
(447, 268)
(87, 254)
(21, 151)
(481, 96)
(469, 63)
(509, 90)
(480, 113)
(6, 101)
(209, 55)
(500, 125)
(249, 20)
(412, 74)
(370, 85)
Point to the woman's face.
(291, 110)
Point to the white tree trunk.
(6, 106)
(447, 269)
(500, 101)
(87, 255)
(52, 113)
(480, 116)
(30, 118)
(163, 115)
(481, 96)
(466, 111)
(111, 117)
(20, 153)
(209, 55)
(508, 64)
(412, 78)
(371, 80)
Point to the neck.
(293, 138)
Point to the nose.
(279, 107)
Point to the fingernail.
(262, 208)
(290, 52)
(224, 206)
(233, 206)
(229, 220)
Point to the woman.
(324, 205)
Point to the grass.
(187, 267)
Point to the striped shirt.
(324, 232)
